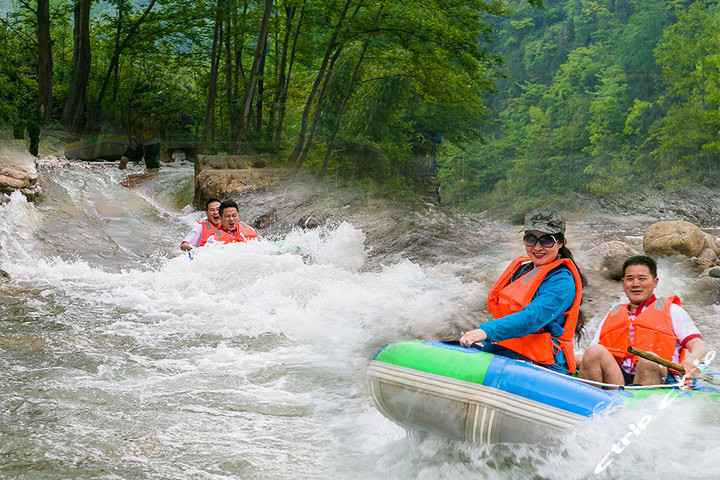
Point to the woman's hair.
(565, 252)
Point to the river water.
(123, 358)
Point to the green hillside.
(515, 100)
(600, 97)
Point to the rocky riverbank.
(678, 227)
(18, 171)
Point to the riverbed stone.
(18, 171)
(673, 238)
(709, 255)
(608, 258)
(703, 291)
(691, 267)
(711, 243)
(221, 162)
(231, 162)
(224, 183)
(714, 272)
(266, 219)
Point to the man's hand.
(697, 350)
(185, 247)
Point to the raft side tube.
(512, 376)
(458, 409)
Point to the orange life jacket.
(508, 296)
(207, 232)
(243, 233)
(653, 330)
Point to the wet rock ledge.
(225, 176)
(18, 171)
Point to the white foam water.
(125, 358)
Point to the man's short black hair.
(641, 260)
(212, 200)
(228, 204)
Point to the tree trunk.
(260, 93)
(119, 49)
(209, 127)
(229, 77)
(116, 70)
(283, 82)
(45, 63)
(316, 84)
(338, 119)
(255, 74)
(318, 111)
(75, 103)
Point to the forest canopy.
(598, 98)
(512, 99)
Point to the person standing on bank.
(657, 325)
(536, 301)
(144, 139)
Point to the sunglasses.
(546, 241)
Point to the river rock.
(18, 172)
(231, 162)
(692, 266)
(224, 183)
(221, 162)
(609, 257)
(709, 255)
(266, 219)
(714, 272)
(673, 238)
(711, 243)
(703, 290)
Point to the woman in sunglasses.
(536, 301)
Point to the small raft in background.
(102, 147)
(479, 397)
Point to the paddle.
(654, 358)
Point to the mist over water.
(124, 358)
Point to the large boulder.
(220, 162)
(212, 183)
(18, 171)
(230, 162)
(673, 238)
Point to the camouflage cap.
(544, 220)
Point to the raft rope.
(679, 384)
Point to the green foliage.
(18, 78)
(402, 74)
(600, 97)
(577, 97)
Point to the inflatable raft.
(484, 398)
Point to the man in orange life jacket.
(205, 229)
(536, 301)
(232, 229)
(657, 325)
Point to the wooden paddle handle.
(654, 358)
